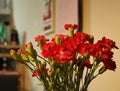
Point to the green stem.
(79, 76)
(29, 67)
(90, 75)
(43, 59)
(32, 65)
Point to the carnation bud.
(71, 32)
(24, 57)
(31, 58)
(31, 51)
(14, 54)
(102, 69)
(57, 40)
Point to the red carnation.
(49, 50)
(70, 26)
(41, 38)
(110, 64)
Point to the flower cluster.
(65, 59)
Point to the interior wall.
(102, 18)
(27, 16)
(67, 13)
(87, 16)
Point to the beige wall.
(28, 18)
(66, 13)
(100, 18)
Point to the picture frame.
(80, 15)
(49, 16)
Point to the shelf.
(7, 49)
(10, 46)
(5, 72)
(6, 55)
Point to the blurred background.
(22, 20)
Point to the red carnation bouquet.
(67, 62)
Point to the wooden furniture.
(11, 78)
(7, 65)
(6, 62)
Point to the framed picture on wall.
(80, 15)
(49, 16)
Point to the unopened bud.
(102, 69)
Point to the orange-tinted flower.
(26, 53)
(20, 50)
(12, 52)
(28, 45)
